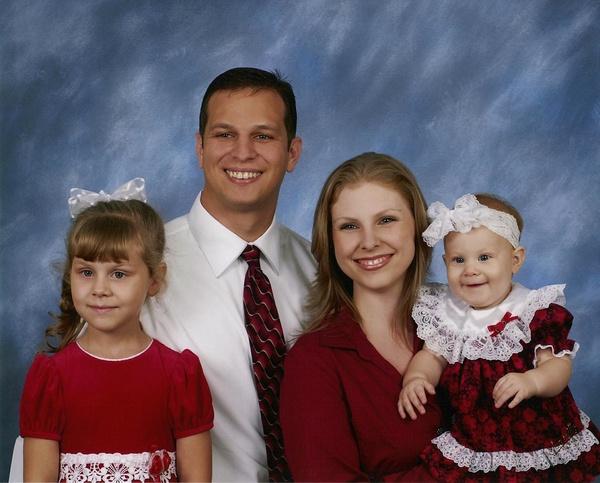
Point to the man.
(246, 143)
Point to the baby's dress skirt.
(534, 424)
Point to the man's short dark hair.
(256, 79)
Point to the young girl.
(502, 353)
(111, 404)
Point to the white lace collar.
(456, 331)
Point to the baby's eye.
(484, 258)
(458, 260)
(119, 275)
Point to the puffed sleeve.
(318, 438)
(550, 330)
(190, 402)
(42, 409)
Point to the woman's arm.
(422, 375)
(548, 379)
(40, 459)
(194, 458)
(319, 440)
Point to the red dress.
(339, 410)
(541, 439)
(116, 420)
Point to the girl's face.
(109, 295)
(480, 266)
(373, 236)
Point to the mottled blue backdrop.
(499, 96)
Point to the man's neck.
(248, 225)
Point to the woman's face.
(373, 236)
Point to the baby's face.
(480, 266)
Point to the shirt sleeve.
(42, 408)
(190, 402)
(318, 437)
(550, 330)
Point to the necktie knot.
(251, 255)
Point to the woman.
(343, 376)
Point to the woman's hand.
(414, 396)
(518, 386)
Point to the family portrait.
(300, 241)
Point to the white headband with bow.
(467, 214)
(81, 199)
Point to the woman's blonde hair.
(105, 232)
(332, 288)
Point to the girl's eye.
(484, 258)
(86, 273)
(119, 275)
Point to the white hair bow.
(467, 214)
(81, 199)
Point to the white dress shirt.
(201, 309)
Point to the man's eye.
(484, 258)
(224, 134)
(263, 137)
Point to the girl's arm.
(194, 457)
(40, 459)
(422, 375)
(548, 379)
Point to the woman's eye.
(387, 219)
(348, 226)
(484, 258)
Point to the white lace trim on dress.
(457, 332)
(562, 353)
(113, 467)
(541, 459)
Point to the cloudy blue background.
(499, 96)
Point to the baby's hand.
(521, 386)
(413, 396)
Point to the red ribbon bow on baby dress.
(499, 327)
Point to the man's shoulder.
(177, 225)
(294, 241)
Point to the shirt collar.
(222, 247)
(346, 333)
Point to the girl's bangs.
(105, 239)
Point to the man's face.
(244, 152)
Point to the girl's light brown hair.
(107, 231)
(332, 289)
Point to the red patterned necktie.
(268, 350)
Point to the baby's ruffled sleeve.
(550, 330)
(42, 410)
(190, 402)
